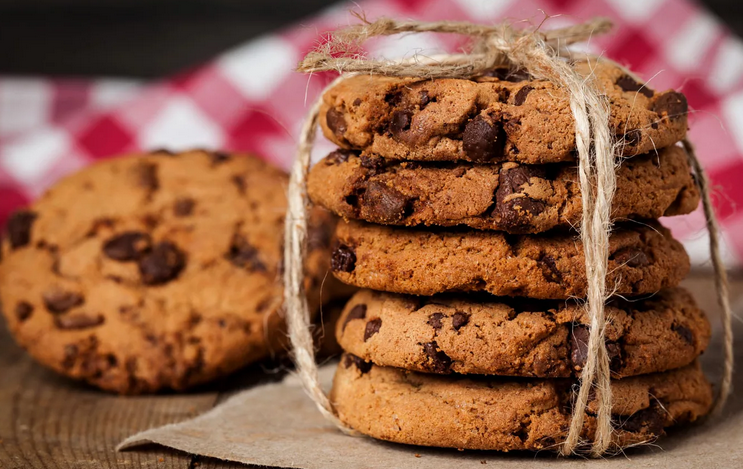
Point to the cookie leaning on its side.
(154, 271)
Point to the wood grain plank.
(47, 421)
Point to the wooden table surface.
(47, 421)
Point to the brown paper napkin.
(277, 425)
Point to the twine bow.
(544, 56)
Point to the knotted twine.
(543, 55)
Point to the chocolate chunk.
(671, 104)
(183, 207)
(372, 327)
(385, 204)
(549, 269)
(425, 98)
(360, 364)
(400, 121)
(147, 173)
(127, 246)
(439, 362)
(161, 265)
(632, 137)
(516, 212)
(459, 320)
(482, 139)
(357, 101)
(434, 320)
(684, 332)
(19, 228)
(357, 312)
(77, 321)
(338, 156)
(70, 356)
(239, 181)
(627, 83)
(579, 346)
(651, 420)
(393, 98)
(23, 310)
(244, 255)
(521, 95)
(616, 357)
(58, 301)
(219, 157)
(336, 122)
(343, 258)
(632, 257)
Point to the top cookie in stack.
(455, 186)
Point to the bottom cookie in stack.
(402, 376)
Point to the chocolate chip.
(483, 140)
(244, 255)
(362, 365)
(651, 419)
(439, 361)
(127, 246)
(343, 258)
(549, 269)
(616, 357)
(77, 321)
(521, 95)
(19, 228)
(393, 98)
(338, 156)
(357, 101)
(684, 332)
(434, 320)
(147, 173)
(671, 104)
(400, 121)
(23, 310)
(161, 265)
(336, 122)
(372, 327)
(58, 301)
(627, 83)
(70, 356)
(183, 207)
(459, 320)
(385, 204)
(219, 157)
(579, 346)
(515, 212)
(357, 312)
(240, 184)
(631, 257)
(632, 137)
(424, 98)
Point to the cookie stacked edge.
(459, 199)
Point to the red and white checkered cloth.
(249, 99)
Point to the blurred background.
(82, 80)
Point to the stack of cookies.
(460, 199)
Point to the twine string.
(543, 55)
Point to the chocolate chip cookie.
(482, 334)
(506, 414)
(507, 116)
(154, 271)
(643, 259)
(508, 197)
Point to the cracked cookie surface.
(154, 271)
(507, 197)
(642, 259)
(506, 413)
(504, 117)
(486, 335)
